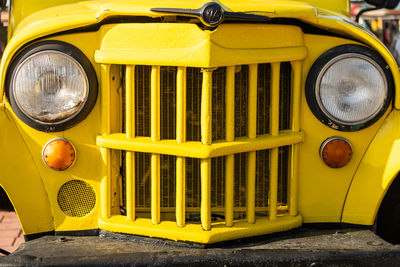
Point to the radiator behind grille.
(194, 79)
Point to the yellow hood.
(23, 8)
(327, 14)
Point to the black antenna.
(371, 9)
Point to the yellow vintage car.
(197, 121)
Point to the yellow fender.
(376, 172)
(20, 179)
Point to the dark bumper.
(302, 247)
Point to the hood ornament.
(212, 14)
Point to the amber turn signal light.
(336, 152)
(58, 154)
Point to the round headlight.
(349, 87)
(52, 86)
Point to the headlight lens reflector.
(351, 89)
(50, 87)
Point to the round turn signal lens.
(58, 154)
(336, 152)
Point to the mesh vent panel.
(241, 101)
(142, 100)
(283, 174)
(168, 97)
(168, 102)
(218, 104)
(263, 98)
(76, 198)
(194, 80)
(240, 180)
(285, 109)
(262, 178)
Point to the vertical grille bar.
(229, 136)
(251, 133)
(105, 152)
(206, 138)
(130, 101)
(180, 138)
(241, 106)
(297, 70)
(155, 136)
(273, 187)
(130, 133)
(206, 109)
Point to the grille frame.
(216, 148)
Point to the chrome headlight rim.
(322, 64)
(79, 58)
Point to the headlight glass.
(50, 87)
(351, 89)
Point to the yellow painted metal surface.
(312, 211)
(205, 211)
(229, 189)
(322, 190)
(155, 136)
(197, 149)
(22, 9)
(228, 147)
(105, 152)
(316, 192)
(180, 191)
(130, 133)
(297, 91)
(378, 168)
(229, 136)
(21, 180)
(206, 108)
(48, 21)
(130, 186)
(195, 232)
(180, 138)
(206, 139)
(198, 48)
(251, 134)
(130, 102)
(41, 213)
(273, 182)
(341, 6)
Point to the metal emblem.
(212, 14)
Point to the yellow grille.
(76, 198)
(168, 131)
(206, 145)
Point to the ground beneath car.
(308, 246)
(10, 231)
